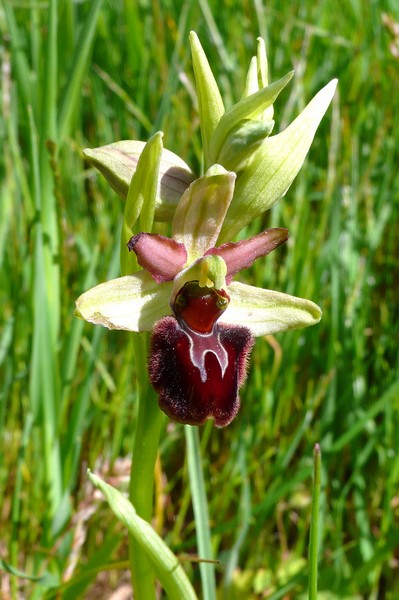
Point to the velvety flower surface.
(202, 322)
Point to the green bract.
(237, 152)
(275, 165)
(248, 108)
(238, 139)
(210, 103)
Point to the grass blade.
(201, 514)
(80, 64)
(314, 528)
(166, 565)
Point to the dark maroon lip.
(187, 393)
(197, 365)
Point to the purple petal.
(241, 255)
(185, 395)
(162, 257)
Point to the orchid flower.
(202, 322)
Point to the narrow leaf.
(263, 74)
(275, 166)
(210, 103)
(314, 526)
(201, 512)
(141, 197)
(251, 82)
(22, 68)
(166, 565)
(240, 146)
(79, 65)
(247, 108)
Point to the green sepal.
(238, 150)
(117, 163)
(140, 200)
(210, 103)
(246, 108)
(132, 303)
(166, 565)
(274, 166)
(267, 312)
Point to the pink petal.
(241, 255)
(162, 257)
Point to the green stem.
(201, 514)
(145, 450)
(314, 526)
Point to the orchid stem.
(145, 450)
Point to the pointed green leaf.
(166, 565)
(257, 76)
(246, 108)
(251, 82)
(20, 52)
(201, 211)
(210, 103)
(262, 64)
(147, 176)
(47, 580)
(81, 60)
(267, 311)
(275, 166)
(118, 162)
(133, 303)
(263, 74)
(140, 200)
(239, 148)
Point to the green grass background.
(84, 74)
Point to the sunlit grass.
(67, 390)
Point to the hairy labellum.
(184, 393)
(197, 365)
